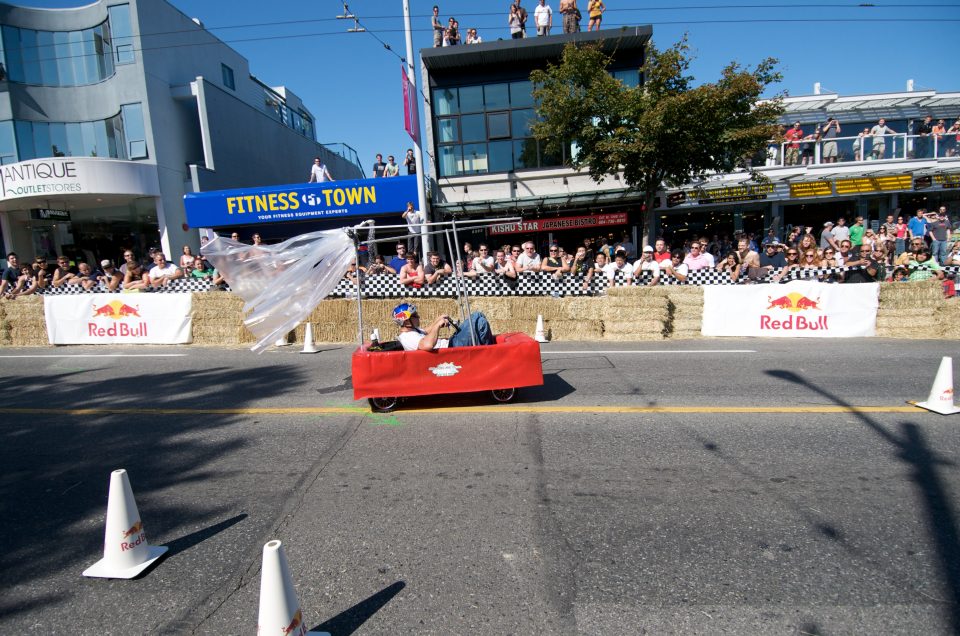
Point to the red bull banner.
(118, 318)
(798, 309)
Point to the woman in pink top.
(901, 235)
(186, 259)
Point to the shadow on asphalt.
(350, 620)
(56, 467)
(914, 451)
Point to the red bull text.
(793, 303)
(118, 312)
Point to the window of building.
(134, 131)
(8, 143)
(227, 73)
(57, 58)
(22, 140)
(629, 77)
(121, 28)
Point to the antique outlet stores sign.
(44, 176)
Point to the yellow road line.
(500, 409)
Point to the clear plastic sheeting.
(281, 284)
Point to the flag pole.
(412, 77)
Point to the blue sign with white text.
(300, 202)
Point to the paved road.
(698, 487)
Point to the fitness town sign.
(41, 177)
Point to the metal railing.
(812, 151)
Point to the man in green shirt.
(856, 234)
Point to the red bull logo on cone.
(137, 527)
(793, 303)
(119, 312)
(296, 626)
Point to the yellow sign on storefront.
(874, 184)
(810, 189)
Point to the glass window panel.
(111, 128)
(11, 41)
(521, 94)
(448, 158)
(103, 144)
(445, 101)
(472, 128)
(48, 59)
(31, 64)
(520, 121)
(447, 130)
(227, 73)
(91, 67)
(496, 96)
(134, 130)
(8, 143)
(74, 140)
(549, 160)
(89, 139)
(104, 51)
(41, 139)
(474, 158)
(525, 154)
(122, 32)
(498, 125)
(77, 58)
(471, 99)
(630, 77)
(58, 139)
(501, 156)
(61, 48)
(24, 132)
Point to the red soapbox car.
(384, 377)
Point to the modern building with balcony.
(111, 112)
(483, 161)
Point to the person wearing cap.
(110, 276)
(647, 264)
(827, 239)
(413, 338)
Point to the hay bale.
(644, 328)
(25, 308)
(686, 324)
(29, 333)
(922, 294)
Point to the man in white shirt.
(163, 272)
(529, 260)
(414, 219)
(647, 264)
(619, 264)
(543, 17)
(319, 172)
(484, 263)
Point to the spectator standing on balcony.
(378, 166)
(513, 20)
(830, 131)
(878, 133)
(859, 146)
(571, 16)
(391, 169)
(840, 231)
(827, 237)
(473, 37)
(595, 10)
(952, 140)
(319, 172)
(437, 27)
(529, 260)
(807, 147)
(453, 31)
(543, 17)
(410, 162)
(938, 132)
(522, 15)
(793, 137)
(414, 219)
(939, 232)
(922, 142)
(917, 227)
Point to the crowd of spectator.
(448, 34)
(899, 250)
(391, 168)
(150, 273)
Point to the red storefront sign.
(561, 223)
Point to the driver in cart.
(413, 338)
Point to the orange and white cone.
(941, 393)
(540, 334)
(126, 552)
(279, 608)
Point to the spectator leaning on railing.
(163, 272)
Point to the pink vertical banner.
(411, 118)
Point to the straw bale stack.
(23, 323)
(915, 295)
(948, 320)
(4, 325)
(686, 311)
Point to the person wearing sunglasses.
(792, 258)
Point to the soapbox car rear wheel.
(383, 404)
(504, 395)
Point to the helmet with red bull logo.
(403, 312)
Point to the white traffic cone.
(282, 341)
(279, 608)
(308, 346)
(941, 393)
(540, 335)
(126, 552)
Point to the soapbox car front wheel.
(383, 404)
(504, 395)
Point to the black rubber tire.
(383, 404)
(504, 396)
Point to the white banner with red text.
(119, 318)
(798, 309)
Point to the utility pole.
(421, 189)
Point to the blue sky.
(351, 83)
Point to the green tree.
(664, 131)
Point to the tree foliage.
(664, 131)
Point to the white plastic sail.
(281, 284)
